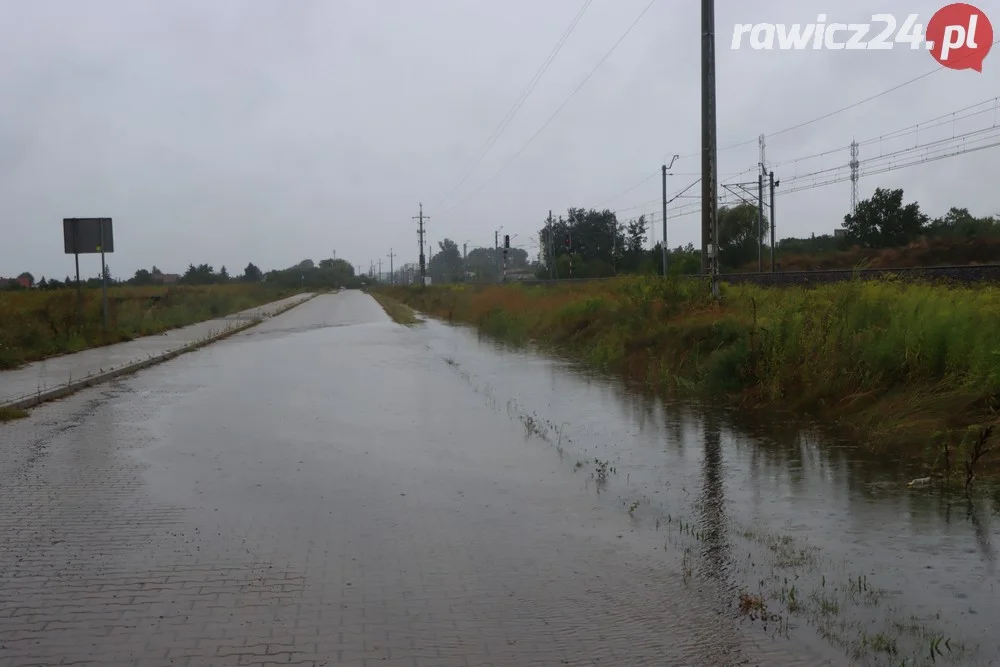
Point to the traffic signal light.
(506, 241)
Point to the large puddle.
(813, 539)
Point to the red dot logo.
(960, 36)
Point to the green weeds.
(10, 414)
(891, 361)
(37, 324)
(398, 311)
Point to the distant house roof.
(23, 281)
(166, 278)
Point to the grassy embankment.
(36, 324)
(945, 251)
(397, 310)
(906, 366)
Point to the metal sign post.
(104, 282)
(89, 236)
(79, 291)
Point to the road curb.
(71, 387)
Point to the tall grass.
(903, 361)
(35, 324)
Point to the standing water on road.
(813, 538)
(332, 488)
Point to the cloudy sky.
(270, 131)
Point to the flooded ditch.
(812, 539)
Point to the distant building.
(165, 278)
(838, 233)
(23, 281)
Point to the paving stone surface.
(320, 490)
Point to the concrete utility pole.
(710, 148)
(774, 184)
(380, 269)
(392, 274)
(664, 246)
(420, 235)
(760, 222)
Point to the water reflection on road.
(843, 552)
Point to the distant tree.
(684, 260)
(326, 263)
(635, 241)
(142, 277)
(738, 238)
(446, 266)
(203, 274)
(883, 221)
(223, 275)
(517, 258)
(482, 262)
(252, 274)
(958, 222)
(595, 238)
(305, 264)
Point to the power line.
(931, 157)
(801, 125)
(622, 194)
(495, 135)
(561, 106)
(835, 112)
(894, 154)
(845, 166)
(691, 209)
(929, 124)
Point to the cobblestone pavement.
(321, 491)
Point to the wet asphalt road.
(323, 490)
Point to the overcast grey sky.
(229, 131)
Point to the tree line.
(326, 273)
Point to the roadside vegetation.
(906, 366)
(37, 324)
(8, 414)
(38, 319)
(397, 310)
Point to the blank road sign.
(88, 235)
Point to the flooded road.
(332, 488)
